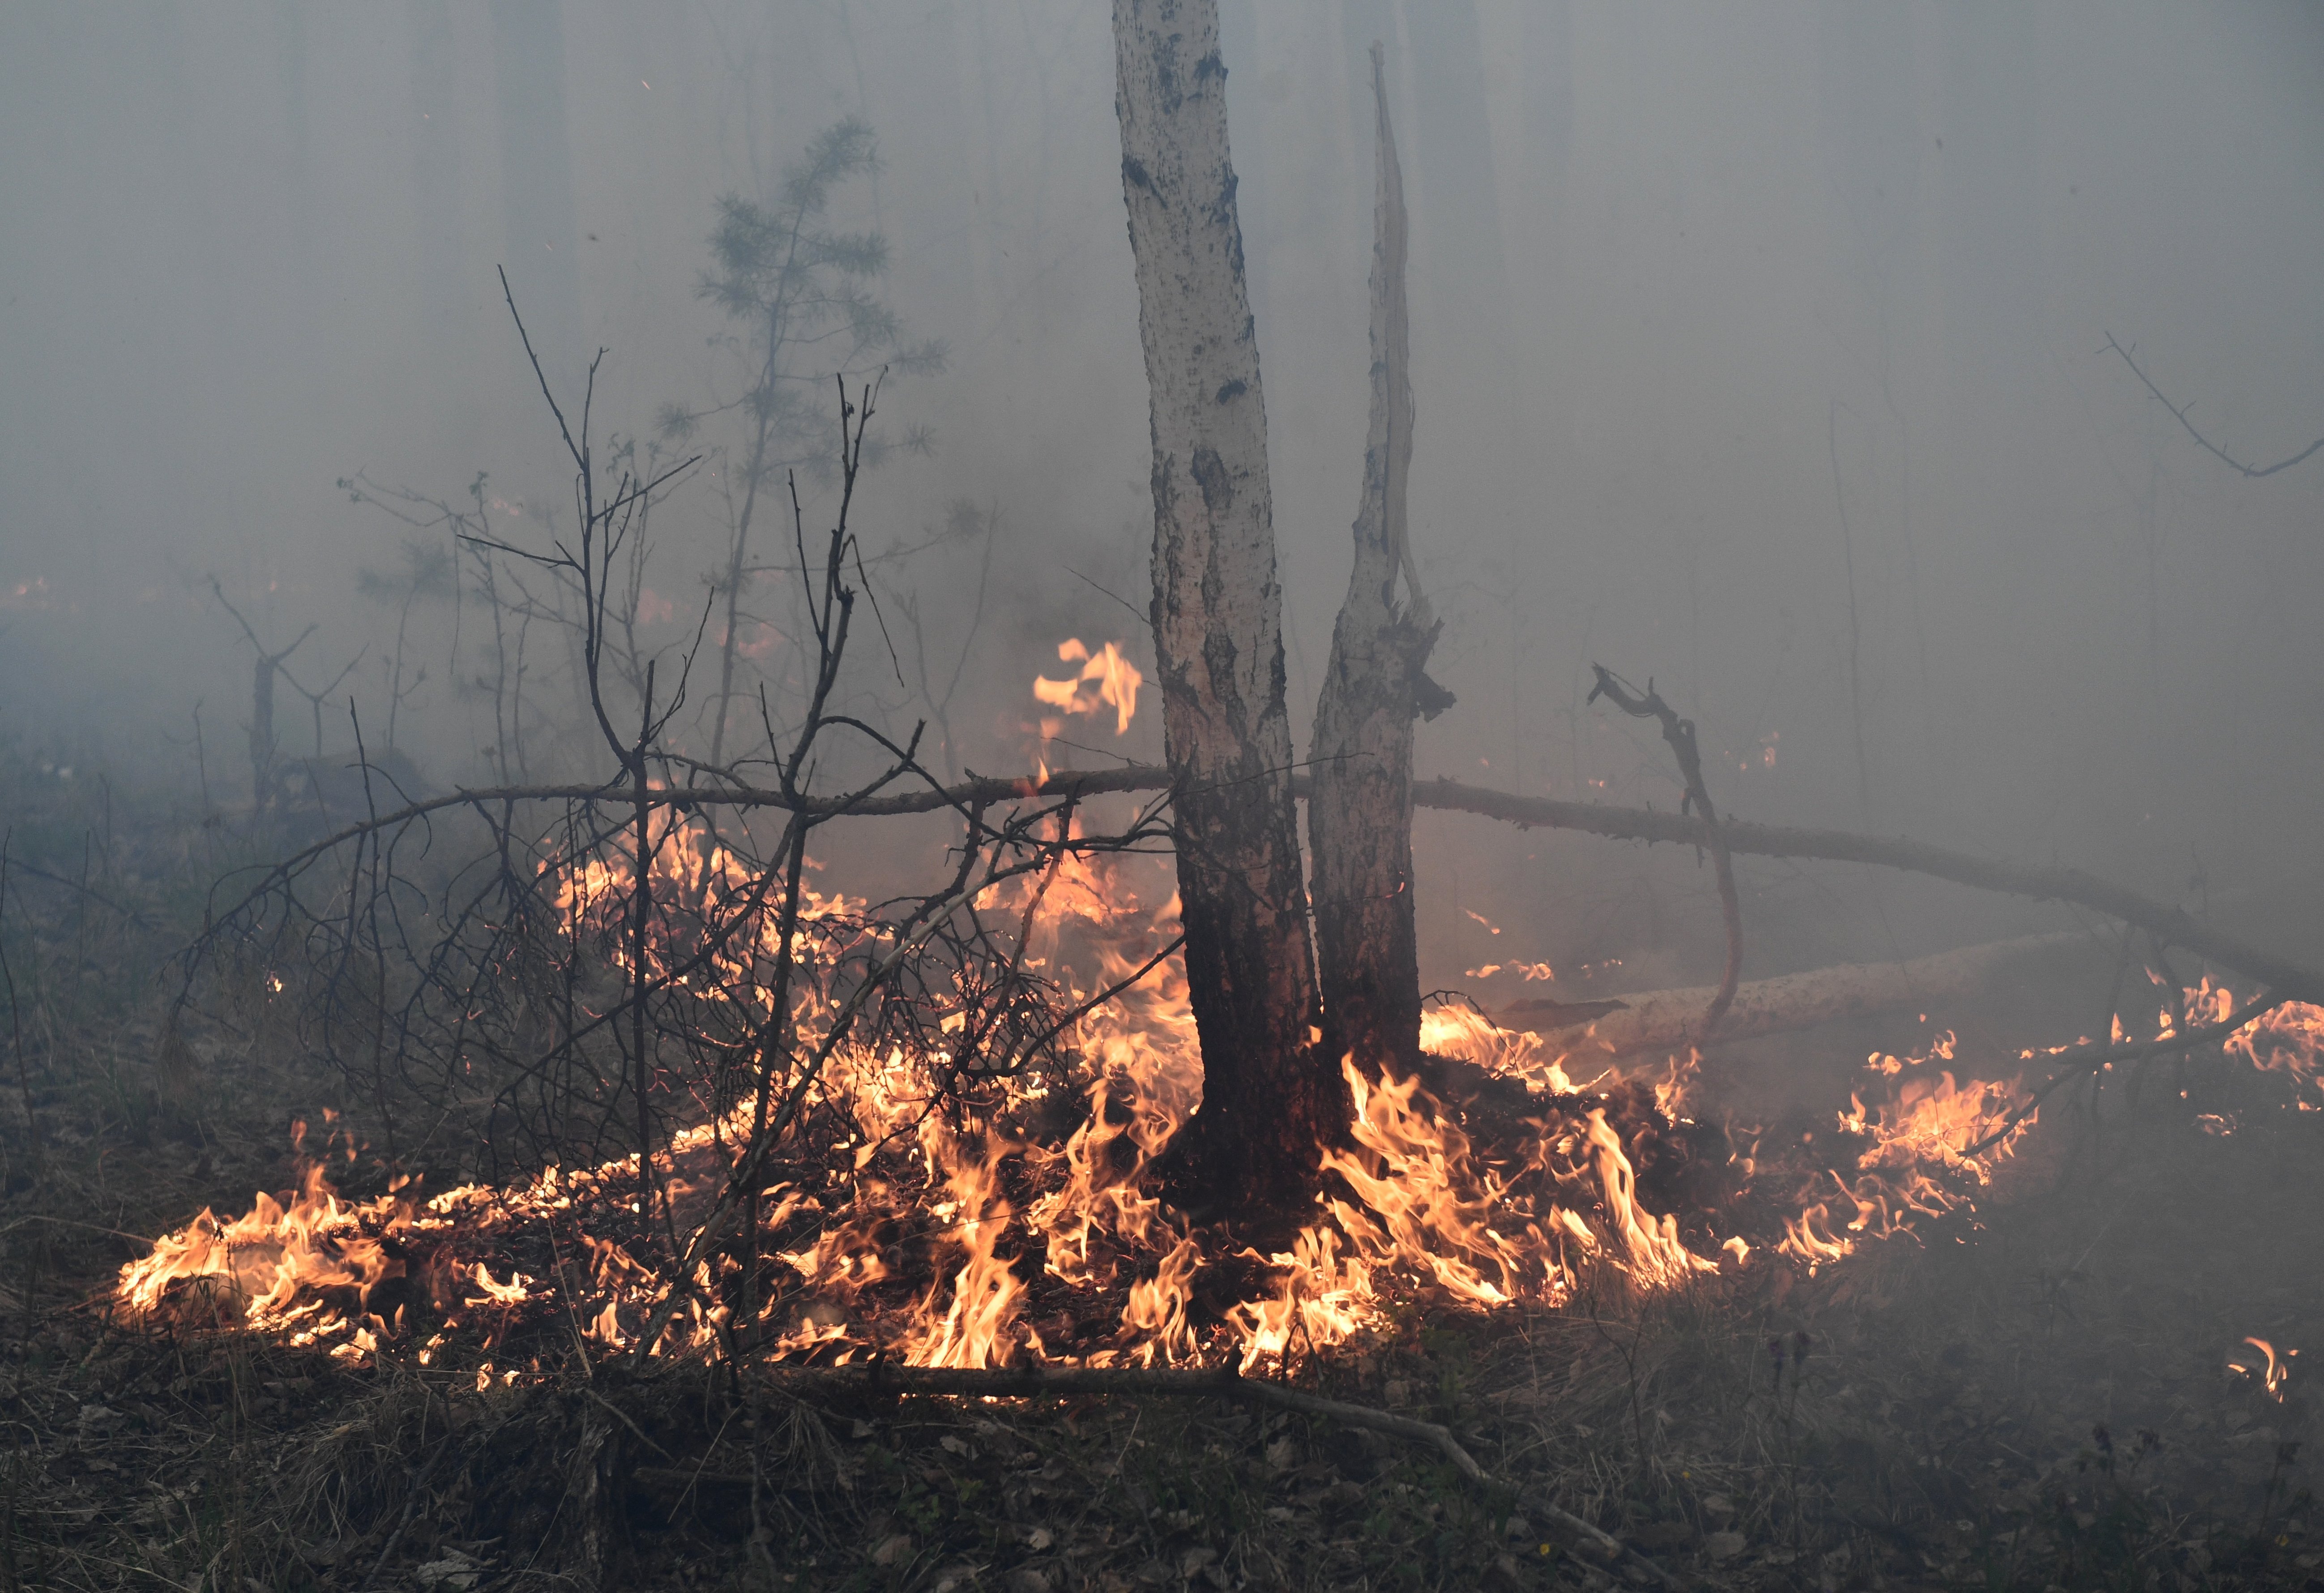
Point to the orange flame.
(2272, 1373)
(1107, 681)
(939, 1229)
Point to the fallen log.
(1670, 1020)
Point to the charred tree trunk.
(262, 727)
(1360, 811)
(1270, 1097)
(261, 698)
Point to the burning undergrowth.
(1008, 1215)
(720, 1110)
(1949, 1414)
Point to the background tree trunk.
(1360, 812)
(1270, 1097)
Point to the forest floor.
(2040, 1400)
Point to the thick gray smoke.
(1760, 350)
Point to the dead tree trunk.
(1359, 813)
(1270, 1097)
(261, 698)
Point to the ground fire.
(783, 885)
(1024, 1230)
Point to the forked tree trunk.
(1270, 1097)
(1360, 811)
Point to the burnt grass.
(2037, 1399)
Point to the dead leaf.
(893, 1549)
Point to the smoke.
(1761, 350)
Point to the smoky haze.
(1759, 350)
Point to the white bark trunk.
(1269, 1097)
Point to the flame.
(1017, 1222)
(273, 1267)
(1656, 1253)
(1465, 1033)
(2289, 1039)
(1107, 681)
(1914, 1162)
(1929, 1117)
(2272, 1372)
(984, 1293)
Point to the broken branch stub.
(1359, 801)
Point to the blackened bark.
(1359, 813)
(1270, 1099)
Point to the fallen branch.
(94, 895)
(1036, 1382)
(2086, 1060)
(2171, 925)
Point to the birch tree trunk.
(1270, 1097)
(1360, 810)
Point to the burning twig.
(743, 1181)
(1742, 837)
(1680, 734)
(2090, 1059)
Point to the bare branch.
(2179, 414)
(1680, 734)
(2085, 1059)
